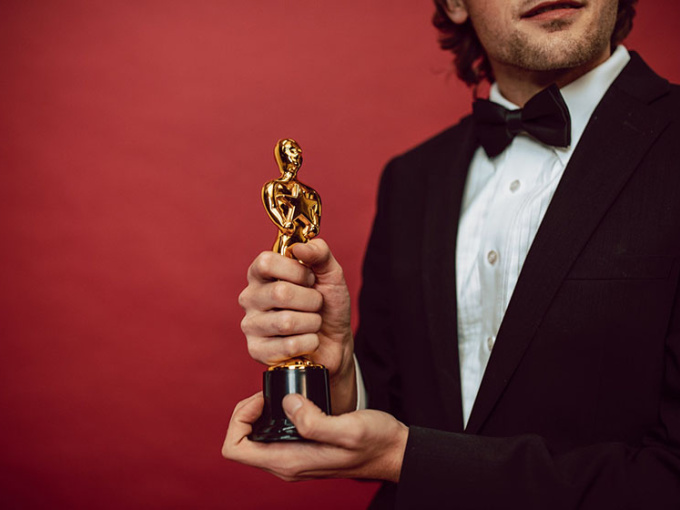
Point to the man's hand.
(294, 309)
(362, 444)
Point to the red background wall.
(134, 139)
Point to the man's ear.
(457, 11)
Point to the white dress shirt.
(504, 202)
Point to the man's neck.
(519, 85)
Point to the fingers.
(282, 317)
(317, 255)
(249, 409)
(241, 423)
(280, 323)
(363, 444)
(269, 266)
(280, 295)
(313, 424)
(271, 351)
(275, 336)
(291, 311)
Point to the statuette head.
(288, 155)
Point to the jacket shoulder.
(441, 142)
(429, 154)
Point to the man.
(530, 335)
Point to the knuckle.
(252, 350)
(255, 351)
(321, 245)
(244, 298)
(355, 439)
(262, 265)
(246, 325)
(284, 323)
(227, 451)
(281, 292)
(282, 468)
(360, 437)
(296, 472)
(305, 425)
(286, 475)
(290, 348)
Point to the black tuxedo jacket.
(579, 406)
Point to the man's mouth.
(550, 6)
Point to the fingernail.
(311, 279)
(291, 403)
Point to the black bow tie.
(545, 117)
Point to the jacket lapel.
(620, 132)
(446, 180)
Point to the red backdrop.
(134, 139)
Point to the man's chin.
(561, 50)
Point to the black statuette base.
(310, 382)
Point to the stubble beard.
(559, 50)
(568, 54)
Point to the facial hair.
(567, 52)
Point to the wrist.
(343, 384)
(396, 456)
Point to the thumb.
(310, 421)
(317, 255)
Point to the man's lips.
(545, 7)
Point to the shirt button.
(492, 257)
(514, 186)
(489, 342)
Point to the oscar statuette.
(295, 209)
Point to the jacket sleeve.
(373, 346)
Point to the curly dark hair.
(472, 64)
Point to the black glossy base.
(310, 382)
(278, 430)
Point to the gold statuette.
(295, 209)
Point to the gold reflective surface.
(295, 364)
(293, 207)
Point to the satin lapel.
(446, 180)
(619, 133)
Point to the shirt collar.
(581, 95)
